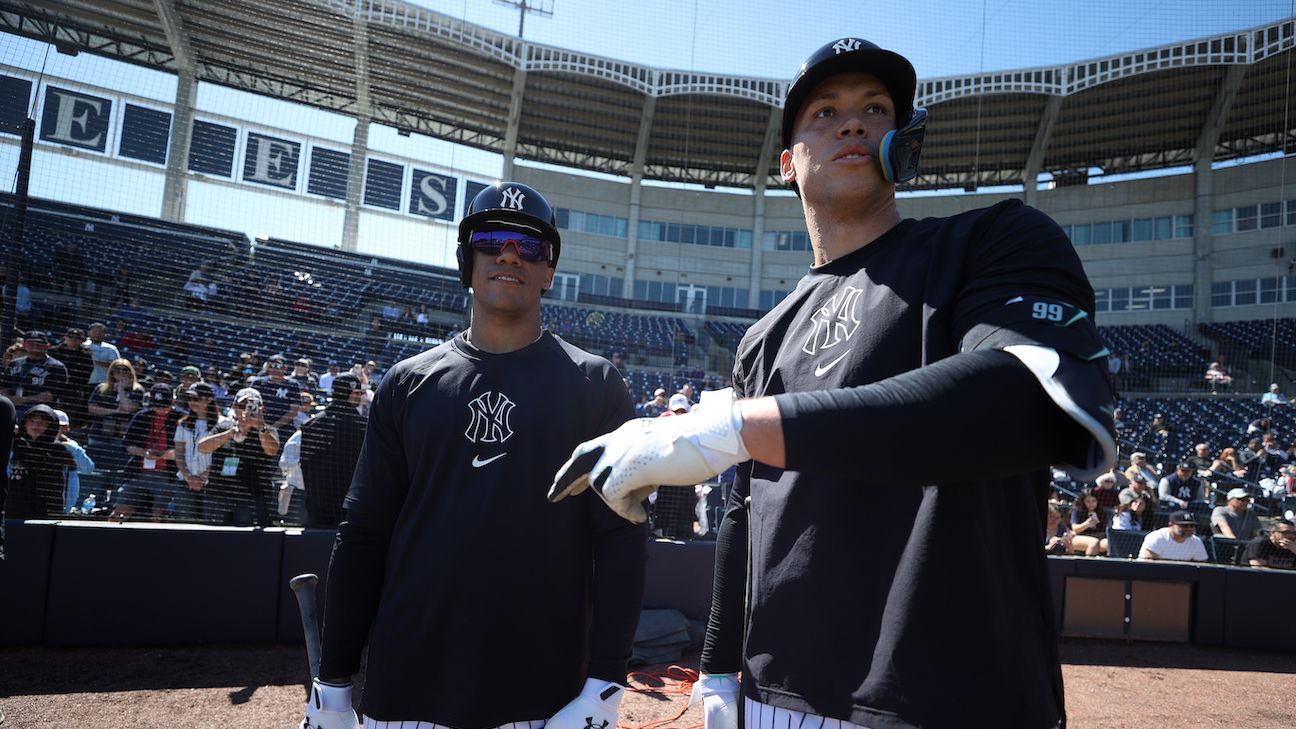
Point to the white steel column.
(175, 185)
(636, 188)
(772, 139)
(359, 141)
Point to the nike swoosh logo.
(823, 369)
(477, 462)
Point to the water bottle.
(88, 506)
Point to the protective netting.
(265, 195)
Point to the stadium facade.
(1204, 240)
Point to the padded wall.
(24, 578)
(679, 576)
(154, 584)
(304, 550)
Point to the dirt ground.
(1108, 685)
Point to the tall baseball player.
(868, 605)
(449, 557)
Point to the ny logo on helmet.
(489, 418)
(834, 322)
(846, 45)
(513, 198)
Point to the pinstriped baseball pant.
(762, 716)
(375, 724)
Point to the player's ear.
(786, 170)
(549, 277)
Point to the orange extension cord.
(674, 680)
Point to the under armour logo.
(589, 723)
(513, 198)
(834, 322)
(489, 418)
(846, 45)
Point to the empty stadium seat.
(1124, 544)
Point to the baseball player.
(868, 604)
(449, 558)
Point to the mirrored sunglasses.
(529, 248)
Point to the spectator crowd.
(274, 440)
(1239, 500)
(260, 442)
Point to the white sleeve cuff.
(332, 697)
(1044, 363)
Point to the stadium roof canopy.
(422, 71)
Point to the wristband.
(333, 697)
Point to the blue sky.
(941, 37)
(760, 38)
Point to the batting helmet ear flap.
(901, 148)
(465, 265)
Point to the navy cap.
(160, 394)
(344, 385)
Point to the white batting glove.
(595, 707)
(329, 707)
(628, 464)
(719, 697)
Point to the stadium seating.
(1227, 551)
(278, 279)
(1156, 350)
(1218, 422)
(602, 331)
(355, 278)
(1124, 544)
(1250, 339)
(727, 334)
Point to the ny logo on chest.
(489, 416)
(835, 322)
(832, 324)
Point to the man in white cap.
(242, 449)
(1238, 519)
(655, 406)
(1273, 397)
(679, 404)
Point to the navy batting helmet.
(510, 206)
(899, 151)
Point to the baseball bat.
(303, 586)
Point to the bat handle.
(303, 586)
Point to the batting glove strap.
(719, 430)
(595, 707)
(626, 465)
